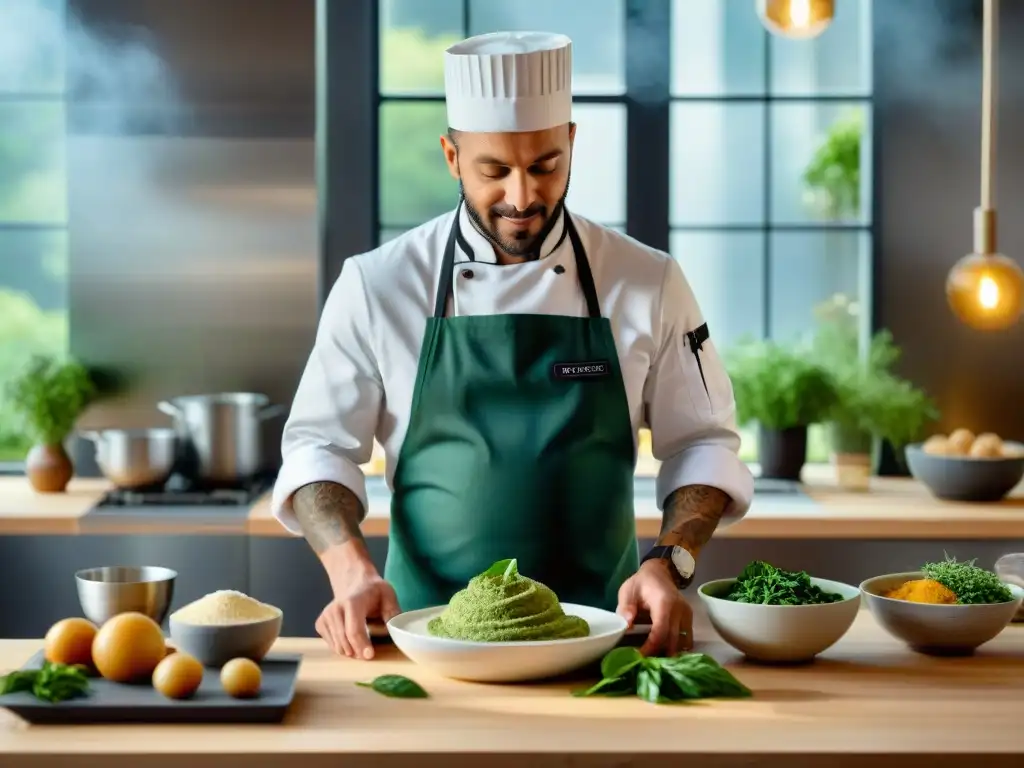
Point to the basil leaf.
(396, 686)
(700, 676)
(648, 684)
(58, 682)
(17, 681)
(619, 661)
(499, 568)
(53, 682)
(610, 686)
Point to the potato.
(960, 442)
(128, 647)
(69, 641)
(987, 446)
(241, 678)
(937, 445)
(178, 676)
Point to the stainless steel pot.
(221, 434)
(135, 458)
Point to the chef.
(505, 355)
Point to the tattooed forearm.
(328, 514)
(691, 516)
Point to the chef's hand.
(651, 589)
(359, 593)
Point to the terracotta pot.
(853, 471)
(49, 468)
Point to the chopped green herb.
(626, 672)
(971, 585)
(396, 686)
(764, 584)
(53, 682)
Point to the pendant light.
(799, 19)
(985, 289)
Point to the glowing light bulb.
(986, 292)
(800, 13)
(799, 19)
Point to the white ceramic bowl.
(780, 633)
(937, 630)
(509, 661)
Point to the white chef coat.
(358, 382)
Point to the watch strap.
(662, 552)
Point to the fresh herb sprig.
(971, 585)
(53, 682)
(627, 672)
(396, 686)
(764, 584)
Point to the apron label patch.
(594, 369)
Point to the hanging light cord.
(985, 214)
(989, 88)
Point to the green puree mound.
(500, 605)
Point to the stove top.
(180, 493)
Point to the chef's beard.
(526, 246)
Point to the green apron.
(519, 445)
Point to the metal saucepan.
(221, 434)
(135, 458)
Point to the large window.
(749, 112)
(414, 183)
(746, 112)
(33, 208)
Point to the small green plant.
(779, 386)
(871, 400)
(832, 177)
(49, 396)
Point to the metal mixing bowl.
(108, 591)
(135, 458)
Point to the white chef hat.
(509, 81)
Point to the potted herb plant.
(872, 403)
(48, 397)
(784, 391)
(832, 177)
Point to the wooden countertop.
(894, 508)
(867, 701)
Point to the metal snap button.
(467, 274)
(559, 269)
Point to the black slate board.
(110, 702)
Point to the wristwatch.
(682, 562)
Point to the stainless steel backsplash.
(192, 216)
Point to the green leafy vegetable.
(619, 661)
(627, 672)
(971, 585)
(53, 682)
(396, 686)
(764, 584)
(49, 396)
(500, 568)
(778, 385)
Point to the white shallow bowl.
(510, 661)
(937, 630)
(780, 633)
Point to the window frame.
(648, 99)
(39, 98)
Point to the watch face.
(684, 562)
